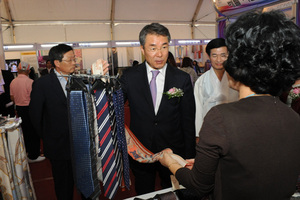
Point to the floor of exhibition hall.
(44, 186)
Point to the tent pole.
(112, 18)
(12, 29)
(194, 18)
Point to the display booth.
(229, 11)
(119, 54)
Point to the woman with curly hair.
(249, 149)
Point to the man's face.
(48, 65)
(217, 57)
(67, 65)
(156, 50)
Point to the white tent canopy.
(36, 21)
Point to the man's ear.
(56, 63)
(142, 49)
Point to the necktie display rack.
(97, 135)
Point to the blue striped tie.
(118, 100)
(113, 123)
(107, 153)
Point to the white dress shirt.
(62, 81)
(209, 91)
(160, 83)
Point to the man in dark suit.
(48, 109)
(6, 105)
(162, 122)
(49, 69)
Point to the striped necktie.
(112, 115)
(107, 152)
(118, 100)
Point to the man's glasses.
(70, 60)
(155, 49)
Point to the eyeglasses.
(155, 49)
(71, 60)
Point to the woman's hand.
(166, 158)
(190, 163)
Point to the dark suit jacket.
(45, 72)
(173, 126)
(48, 111)
(5, 97)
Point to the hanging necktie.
(80, 140)
(112, 115)
(153, 86)
(118, 100)
(93, 150)
(107, 154)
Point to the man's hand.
(100, 67)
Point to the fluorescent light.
(88, 44)
(54, 44)
(206, 41)
(189, 41)
(127, 43)
(48, 45)
(18, 47)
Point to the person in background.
(187, 67)
(292, 96)
(20, 89)
(212, 88)
(171, 60)
(48, 109)
(135, 62)
(49, 68)
(6, 105)
(196, 67)
(162, 121)
(249, 149)
(32, 73)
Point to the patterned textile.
(16, 182)
(137, 151)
